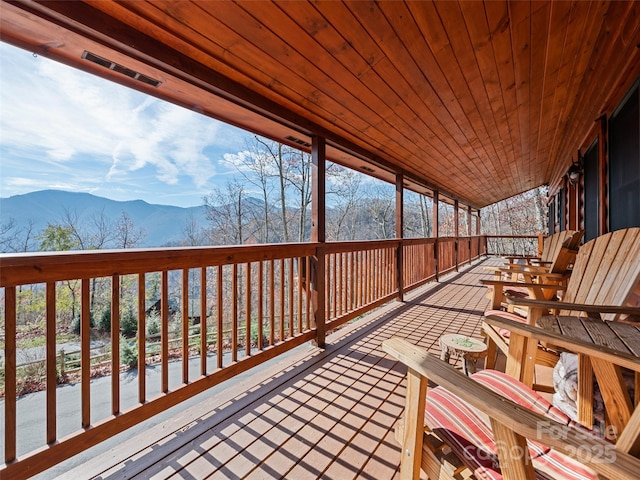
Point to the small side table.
(470, 349)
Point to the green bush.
(153, 324)
(128, 353)
(104, 324)
(129, 323)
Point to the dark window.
(591, 182)
(624, 164)
(552, 216)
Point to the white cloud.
(97, 130)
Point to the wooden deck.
(313, 414)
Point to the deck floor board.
(331, 415)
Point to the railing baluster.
(334, 285)
(291, 302)
(142, 386)
(299, 260)
(164, 335)
(115, 344)
(10, 374)
(185, 325)
(203, 321)
(234, 314)
(85, 338)
(282, 297)
(51, 361)
(219, 324)
(260, 304)
(272, 306)
(307, 291)
(247, 327)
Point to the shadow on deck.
(311, 414)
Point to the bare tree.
(15, 238)
(278, 153)
(194, 234)
(347, 194)
(8, 235)
(300, 181)
(229, 214)
(126, 233)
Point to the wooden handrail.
(273, 282)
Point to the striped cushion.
(521, 394)
(558, 465)
(468, 432)
(509, 316)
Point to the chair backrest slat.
(566, 250)
(606, 270)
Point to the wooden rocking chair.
(473, 432)
(559, 253)
(606, 272)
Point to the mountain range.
(163, 224)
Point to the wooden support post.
(318, 235)
(400, 233)
(436, 220)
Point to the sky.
(63, 129)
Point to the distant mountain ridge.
(163, 224)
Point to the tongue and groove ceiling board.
(481, 100)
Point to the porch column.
(318, 235)
(481, 242)
(456, 226)
(436, 200)
(400, 233)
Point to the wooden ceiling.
(481, 100)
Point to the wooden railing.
(516, 245)
(253, 303)
(358, 277)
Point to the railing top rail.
(352, 246)
(42, 267)
(419, 240)
(512, 236)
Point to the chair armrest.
(521, 257)
(564, 439)
(506, 283)
(579, 307)
(541, 262)
(533, 270)
(569, 343)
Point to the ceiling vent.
(298, 141)
(367, 169)
(103, 62)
